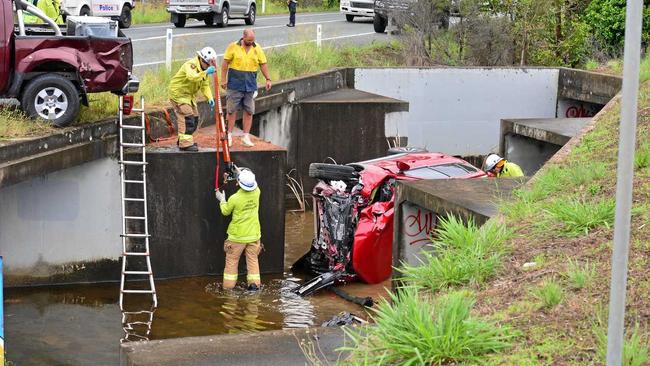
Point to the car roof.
(414, 160)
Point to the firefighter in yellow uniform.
(501, 168)
(191, 78)
(244, 231)
(51, 8)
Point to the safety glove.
(210, 70)
(221, 196)
(211, 103)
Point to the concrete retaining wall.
(458, 110)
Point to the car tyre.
(223, 22)
(84, 12)
(332, 171)
(180, 21)
(250, 18)
(349, 17)
(125, 17)
(53, 98)
(406, 149)
(379, 23)
(209, 21)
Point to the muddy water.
(81, 325)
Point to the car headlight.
(379, 3)
(345, 3)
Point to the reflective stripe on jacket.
(189, 80)
(244, 207)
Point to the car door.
(106, 8)
(237, 7)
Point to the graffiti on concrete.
(567, 108)
(416, 228)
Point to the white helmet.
(207, 54)
(491, 161)
(246, 180)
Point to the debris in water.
(344, 318)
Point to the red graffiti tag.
(578, 112)
(418, 227)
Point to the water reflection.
(137, 325)
(298, 311)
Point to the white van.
(357, 8)
(119, 10)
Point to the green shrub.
(607, 20)
(580, 276)
(411, 330)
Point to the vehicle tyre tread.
(43, 81)
(379, 24)
(251, 20)
(331, 171)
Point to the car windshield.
(441, 171)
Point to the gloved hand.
(221, 196)
(211, 103)
(210, 70)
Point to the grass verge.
(415, 330)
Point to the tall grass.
(14, 124)
(549, 294)
(635, 352)
(150, 13)
(578, 217)
(411, 330)
(462, 254)
(580, 275)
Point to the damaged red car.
(51, 70)
(353, 213)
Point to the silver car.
(212, 12)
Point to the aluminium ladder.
(135, 231)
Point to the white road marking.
(267, 47)
(231, 30)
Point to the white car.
(119, 10)
(211, 12)
(357, 8)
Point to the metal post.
(263, 6)
(168, 50)
(319, 35)
(615, 331)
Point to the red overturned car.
(353, 213)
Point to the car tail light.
(127, 104)
(167, 1)
(211, 2)
(402, 166)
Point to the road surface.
(271, 31)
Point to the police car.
(119, 10)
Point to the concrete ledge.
(556, 131)
(419, 204)
(280, 347)
(588, 86)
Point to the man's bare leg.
(248, 123)
(230, 117)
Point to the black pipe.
(363, 301)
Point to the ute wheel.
(379, 24)
(209, 21)
(331, 171)
(223, 22)
(250, 18)
(52, 98)
(406, 149)
(125, 17)
(84, 12)
(180, 22)
(349, 17)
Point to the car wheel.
(406, 149)
(209, 21)
(125, 17)
(224, 18)
(379, 24)
(331, 171)
(84, 12)
(349, 17)
(52, 98)
(180, 20)
(250, 18)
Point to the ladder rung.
(134, 181)
(138, 110)
(135, 235)
(130, 162)
(140, 254)
(137, 272)
(138, 291)
(128, 144)
(135, 217)
(134, 199)
(131, 127)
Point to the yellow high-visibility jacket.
(188, 81)
(511, 170)
(245, 224)
(51, 8)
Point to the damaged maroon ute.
(51, 73)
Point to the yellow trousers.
(233, 253)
